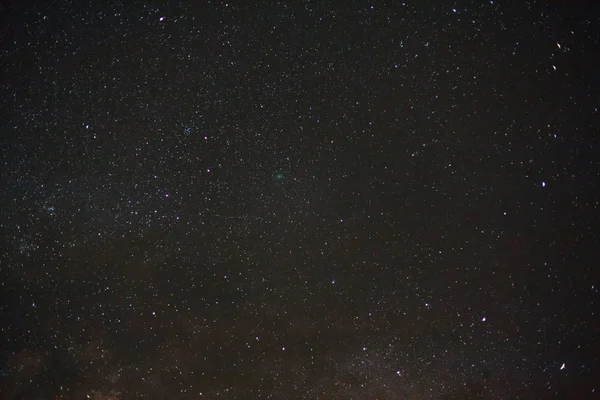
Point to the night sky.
(303, 200)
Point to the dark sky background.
(303, 200)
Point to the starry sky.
(300, 200)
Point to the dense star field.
(303, 200)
